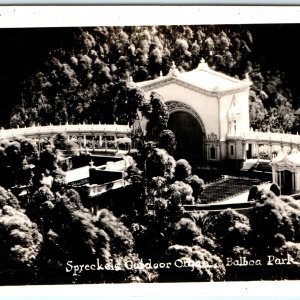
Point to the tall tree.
(21, 244)
(157, 114)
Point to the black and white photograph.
(149, 153)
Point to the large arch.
(189, 130)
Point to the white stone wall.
(217, 111)
(205, 106)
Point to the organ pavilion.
(209, 114)
(206, 108)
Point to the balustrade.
(80, 129)
(267, 137)
(268, 144)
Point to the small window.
(213, 153)
(231, 150)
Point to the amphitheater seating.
(226, 188)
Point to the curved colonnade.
(103, 134)
(269, 142)
(93, 135)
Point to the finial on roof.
(160, 73)
(173, 70)
(202, 65)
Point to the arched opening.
(189, 136)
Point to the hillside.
(81, 74)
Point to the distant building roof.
(203, 77)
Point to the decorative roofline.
(162, 81)
(174, 75)
(173, 70)
(203, 66)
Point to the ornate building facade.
(206, 108)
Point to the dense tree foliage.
(157, 114)
(197, 184)
(167, 141)
(160, 163)
(229, 228)
(21, 244)
(62, 142)
(87, 75)
(84, 74)
(183, 169)
(48, 227)
(17, 159)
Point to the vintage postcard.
(150, 153)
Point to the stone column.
(100, 141)
(297, 181)
(244, 152)
(270, 150)
(84, 141)
(79, 140)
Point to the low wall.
(100, 177)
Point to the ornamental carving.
(212, 137)
(282, 166)
(174, 106)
